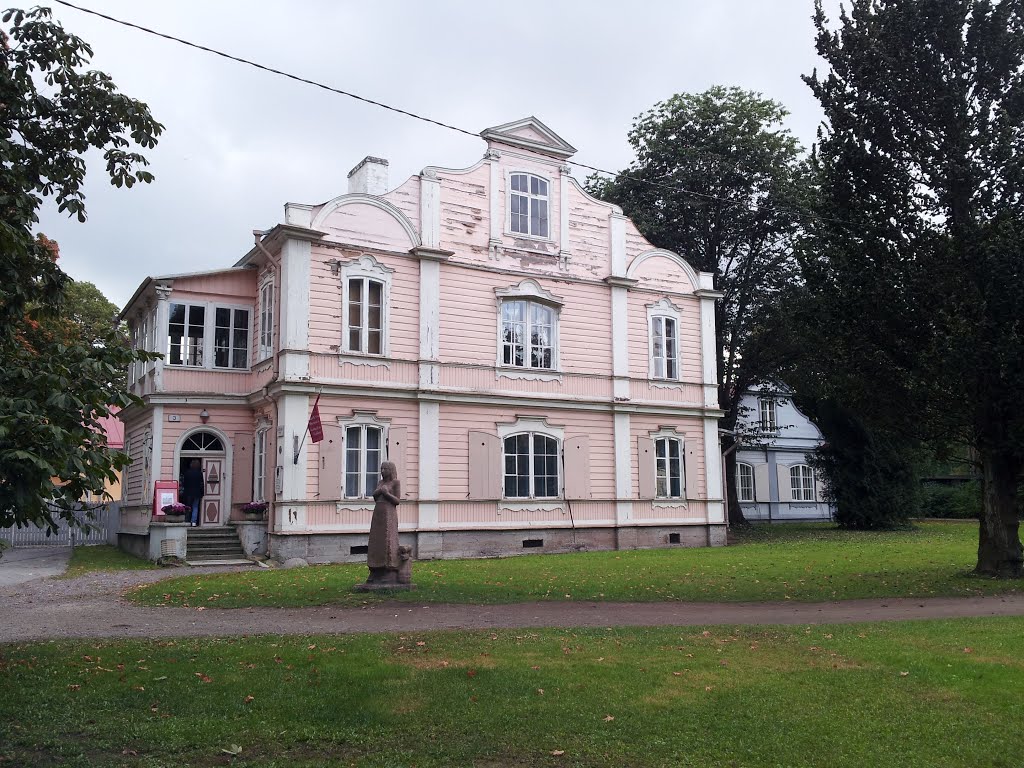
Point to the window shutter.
(761, 490)
(485, 470)
(396, 450)
(819, 488)
(331, 457)
(241, 467)
(785, 484)
(692, 475)
(645, 465)
(576, 467)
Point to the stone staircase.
(215, 546)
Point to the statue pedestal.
(383, 587)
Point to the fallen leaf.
(707, 687)
(677, 674)
(249, 698)
(130, 752)
(138, 688)
(534, 667)
(904, 674)
(609, 718)
(470, 673)
(164, 677)
(557, 752)
(420, 642)
(74, 687)
(968, 650)
(234, 749)
(540, 691)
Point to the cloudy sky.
(240, 143)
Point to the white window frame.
(362, 420)
(801, 482)
(768, 415)
(529, 291)
(668, 440)
(259, 458)
(231, 308)
(209, 329)
(366, 267)
(265, 341)
(744, 498)
(533, 426)
(663, 310)
(549, 237)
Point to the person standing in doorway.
(192, 488)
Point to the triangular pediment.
(531, 134)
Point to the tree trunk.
(999, 547)
(732, 497)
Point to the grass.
(912, 694)
(102, 558)
(791, 562)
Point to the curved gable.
(663, 270)
(367, 221)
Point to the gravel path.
(91, 606)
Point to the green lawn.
(913, 694)
(790, 562)
(102, 558)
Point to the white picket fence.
(100, 527)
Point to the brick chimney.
(369, 177)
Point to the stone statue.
(390, 565)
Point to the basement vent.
(362, 549)
(673, 538)
(528, 543)
(169, 548)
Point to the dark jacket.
(192, 484)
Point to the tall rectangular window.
(231, 338)
(186, 330)
(365, 316)
(528, 200)
(266, 320)
(768, 420)
(668, 467)
(364, 449)
(665, 347)
(259, 474)
(745, 482)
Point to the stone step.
(218, 561)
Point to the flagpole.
(295, 458)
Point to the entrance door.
(206, 447)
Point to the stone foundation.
(162, 539)
(252, 534)
(433, 545)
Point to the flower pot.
(168, 518)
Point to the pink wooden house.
(543, 377)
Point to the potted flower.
(254, 510)
(175, 513)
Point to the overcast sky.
(240, 143)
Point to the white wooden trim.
(712, 460)
(530, 424)
(665, 309)
(708, 343)
(563, 214)
(430, 211)
(620, 342)
(157, 456)
(293, 326)
(617, 244)
(494, 195)
(293, 417)
(429, 463)
(623, 468)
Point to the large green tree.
(914, 310)
(55, 380)
(719, 180)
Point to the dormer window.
(529, 205)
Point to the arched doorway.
(210, 447)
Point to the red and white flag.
(316, 429)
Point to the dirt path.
(91, 606)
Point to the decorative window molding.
(531, 459)
(365, 307)
(744, 482)
(365, 448)
(663, 326)
(528, 210)
(265, 345)
(801, 482)
(528, 318)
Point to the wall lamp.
(204, 415)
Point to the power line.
(382, 105)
